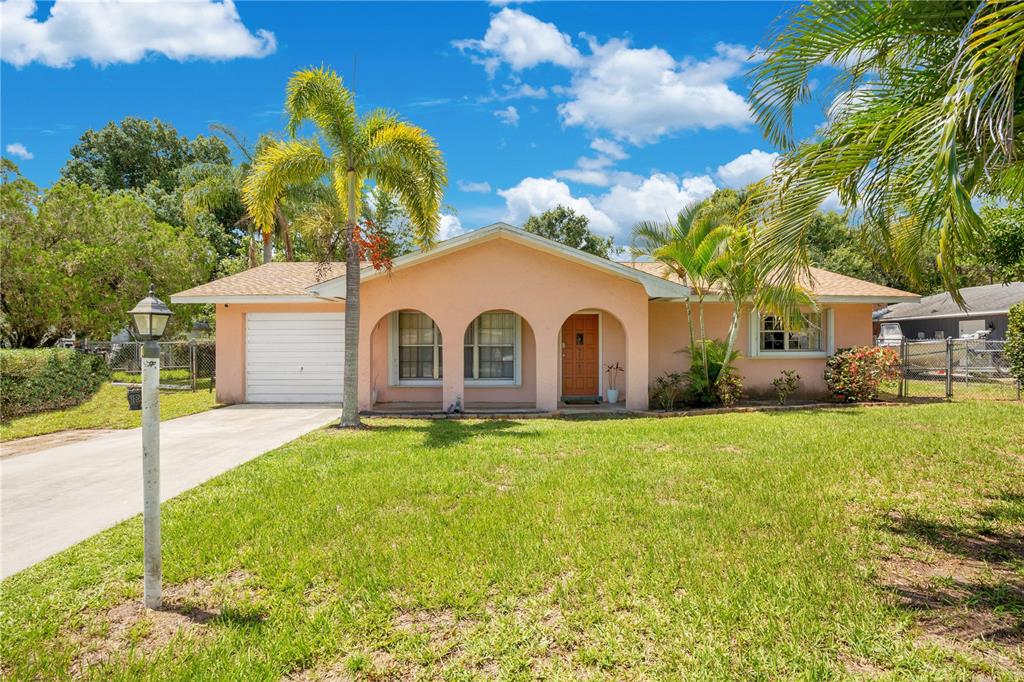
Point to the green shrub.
(712, 391)
(1015, 340)
(667, 390)
(855, 374)
(729, 387)
(786, 385)
(47, 379)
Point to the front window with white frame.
(771, 336)
(492, 348)
(418, 347)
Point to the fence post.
(902, 392)
(949, 367)
(193, 366)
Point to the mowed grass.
(108, 409)
(741, 546)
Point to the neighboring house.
(938, 316)
(499, 317)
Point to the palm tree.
(211, 186)
(377, 147)
(692, 248)
(926, 116)
(743, 279)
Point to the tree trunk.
(268, 248)
(734, 328)
(689, 324)
(350, 397)
(703, 341)
(286, 233)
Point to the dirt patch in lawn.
(437, 643)
(25, 446)
(964, 587)
(129, 628)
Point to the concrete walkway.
(55, 498)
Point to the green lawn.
(857, 542)
(108, 409)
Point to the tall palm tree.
(211, 186)
(353, 150)
(926, 115)
(692, 248)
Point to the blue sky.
(624, 111)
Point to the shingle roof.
(823, 283)
(269, 279)
(293, 279)
(988, 298)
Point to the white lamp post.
(150, 316)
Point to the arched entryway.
(593, 358)
(499, 362)
(406, 362)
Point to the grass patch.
(739, 546)
(108, 409)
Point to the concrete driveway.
(54, 498)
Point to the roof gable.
(656, 287)
(825, 285)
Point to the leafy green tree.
(218, 187)
(925, 118)
(379, 147)
(566, 226)
(76, 259)
(1001, 254)
(1015, 340)
(135, 152)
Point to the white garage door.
(294, 357)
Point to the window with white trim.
(773, 337)
(492, 348)
(419, 347)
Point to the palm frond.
(279, 166)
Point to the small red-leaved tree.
(856, 373)
(375, 246)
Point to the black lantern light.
(150, 316)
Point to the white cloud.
(596, 170)
(118, 31)
(533, 196)
(636, 94)
(520, 40)
(747, 168)
(643, 94)
(613, 212)
(656, 198)
(20, 150)
(477, 187)
(450, 227)
(832, 203)
(509, 115)
(609, 148)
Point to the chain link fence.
(976, 369)
(184, 365)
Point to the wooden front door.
(580, 355)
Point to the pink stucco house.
(499, 318)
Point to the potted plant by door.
(613, 381)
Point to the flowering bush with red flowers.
(856, 373)
(374, 245)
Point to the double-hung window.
(492, 353)
(773, 337)
(418, 347)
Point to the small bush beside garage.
(37, 380)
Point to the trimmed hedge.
(43, 379)
(1015, 340)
